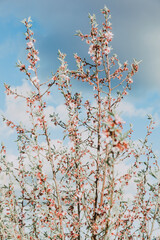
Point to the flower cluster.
(77, 187)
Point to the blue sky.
(136, 28)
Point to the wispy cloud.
(128, 109)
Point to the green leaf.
(153, 175)
(23, 21)
(149, 116)
(136, 62)
(29, 19)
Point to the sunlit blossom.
(30, 44)
(35, 80)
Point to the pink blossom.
(36, 58)
(30, 44)
(93, 58)
(109, 36)
(35, 80)
(107, 50)
(130, 80)
(91, 50)
(125, 92)
(88, 41)
(30, 67)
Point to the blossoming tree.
(74, 189)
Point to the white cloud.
(128, 109)
(62, 111)
(16, 109)
(121, 169)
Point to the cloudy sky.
(136, 28)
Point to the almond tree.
(73, 189)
